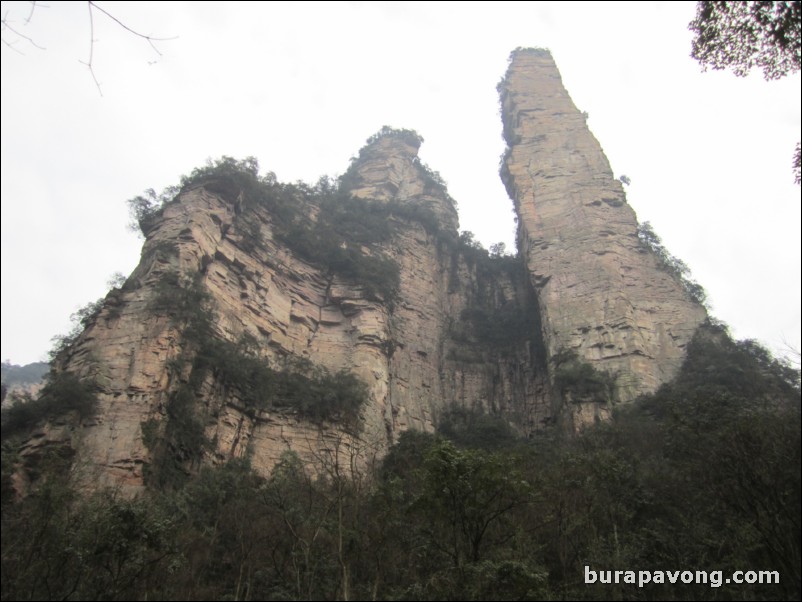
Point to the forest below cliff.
(702, 475)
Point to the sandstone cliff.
(252, 296)
(602, 293)
(422, 353)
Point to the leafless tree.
(11, 34)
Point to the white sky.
(301, 86)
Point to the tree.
(10, 35)
(743, 35)
(467, 495)
(498, 249)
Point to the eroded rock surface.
(416, 358)
(602, 294)
(463, 331)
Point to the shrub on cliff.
(64, 394)
(579, 381)
(673, 265)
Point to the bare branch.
(150, 39)
(30, 14)
(7, 25)
(92, 48)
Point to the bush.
(410, 136)
(476, 429)
(64, 393)
(311, 389)
(578, 381)
(145, 209)
(81, 319)
(336, 242)
(673, 265)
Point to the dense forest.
(702, 475)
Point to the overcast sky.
(301, 86)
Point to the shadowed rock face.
(601, 293)
(464, 331)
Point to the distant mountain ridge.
(23, 378)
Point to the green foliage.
(493, 324)
(145, 209)
(729, 462)
(226, 175)
(470, 491)
(578, 381)
(58, 545)
(501, 327)
(63, 395)
(533, 50)
(702, 475)
(721, 378)
(337, 241)
(409, 136)
(434, 182)
(476, 429)
(310, 389)
(177, 443)
(498, 249)
(492, 263)
(743, 35)
(323, 224)
(244, 172)
(81, 319)
(187, 302)
(673, 265)
(116, 280)
(320, 395)
(341, 238)
(450, 519)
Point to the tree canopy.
(744, 35)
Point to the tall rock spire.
(602, 293)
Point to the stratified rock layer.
(415, 355)
(464, 331)
(602, 294)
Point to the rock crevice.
(461, 330)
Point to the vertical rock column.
(601, 293)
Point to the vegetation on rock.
(702, 475)
(64, 395)
(578, 381)
(673, 265)
(177, 440)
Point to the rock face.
(462, 330)
(602, 293)
(416, 354)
